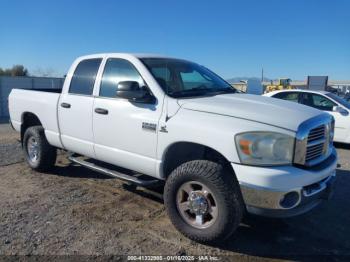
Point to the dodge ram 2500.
(220, 153)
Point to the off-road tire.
(223, 183)
(46, 153)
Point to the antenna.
(167, 93)
(166, 109)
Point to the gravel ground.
(10, 149)
(74, 211)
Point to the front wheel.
(203, 201)
(40, 155)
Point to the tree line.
(16, 70)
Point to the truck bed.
(40, 102)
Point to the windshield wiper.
(192, 91)
(227, 91)
(199, 91)
(187, 93)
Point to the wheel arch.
(184, 151)
(29, 119)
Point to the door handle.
(101, 111)
(65, 105)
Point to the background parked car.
(347, 97)
(338, 107)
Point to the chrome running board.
(112, 173)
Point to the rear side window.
(83, 79)
(289, 96)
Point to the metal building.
(7, 83)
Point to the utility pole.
(262, 74)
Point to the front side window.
(117, 70)
(84, 76)
(320, 102)
(180, 78)
(289, 96)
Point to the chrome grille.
(315, 143)
(316, 134)
(314, 140)
(314, 151)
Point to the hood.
(267, 110)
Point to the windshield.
(340, 100)
(179, 78)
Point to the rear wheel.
(203, 201)
(40, 155)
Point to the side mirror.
(132, 91)
(340, 110)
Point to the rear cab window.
(194, 79)
(163, 76)
(84, 77)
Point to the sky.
(288, 38)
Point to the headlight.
(265, 148)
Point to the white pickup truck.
(221, 153)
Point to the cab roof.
(138, 55)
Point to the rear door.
(75, 109)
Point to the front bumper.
(275, 191)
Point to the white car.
(325, 101)
(221, 153)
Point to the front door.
(125, 133)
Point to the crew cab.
(220, 153)
(326, 101)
